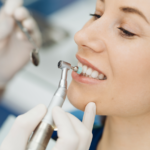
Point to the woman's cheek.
(78, 95)
(74, 95)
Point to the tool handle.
(56, 101)
(40, 137)
(44, 130)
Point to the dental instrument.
(43, 132)
(34, 56)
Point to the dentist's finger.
(89, 115)
(11, 5)
(85, 136)
(68, 139)
(32, 27)
(21, 36)
(29, 24)
(21, 13)
(22, 128)
(6, 27)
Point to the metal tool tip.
(60, 64)
(35, 58)
(77, 69)
(63, 64)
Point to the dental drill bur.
(43, 132)
(77, 69)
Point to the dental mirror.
(34, 56)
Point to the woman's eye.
(95, 15)
(126, 33)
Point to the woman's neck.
(126, 133)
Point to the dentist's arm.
(73, 134)
(14, 47)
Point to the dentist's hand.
(74, 134)
(23, 127)
(14, 47)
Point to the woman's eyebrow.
(134, 11)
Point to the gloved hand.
(14, 47)
(73, 134)
(23, 127)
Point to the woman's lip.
(86, 80)
(85, 62)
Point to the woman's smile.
(90, 74)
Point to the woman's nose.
(92, 37)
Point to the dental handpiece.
(43, 132)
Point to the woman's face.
(114, 43)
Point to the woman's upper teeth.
(89, 72)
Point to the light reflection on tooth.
(79, 64)
(101, 76)
(84, 69)
(89, 71)
(94, 74)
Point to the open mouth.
(91, 73)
